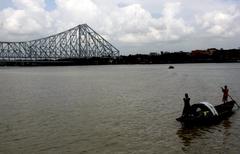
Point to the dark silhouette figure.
(187, 105)
(225, 91)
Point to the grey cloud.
(129, 24)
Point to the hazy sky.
(133, 26)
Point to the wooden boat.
(205, 113)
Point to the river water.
(118, 109)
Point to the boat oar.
(234, 101)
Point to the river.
(114, 109)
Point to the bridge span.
(78, 42)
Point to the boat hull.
(224, 111)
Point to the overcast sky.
(133, 26)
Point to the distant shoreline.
(211, 55)
(80, 63)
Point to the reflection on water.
(189, 135)
(226, 134)
(227, 124)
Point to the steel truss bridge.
(78, 42)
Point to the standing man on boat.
(225, 91)
(186, 105)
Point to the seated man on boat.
(187, 105)
(225, 94)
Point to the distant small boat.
(206, 113)
(171, 67)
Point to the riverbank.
(197, 56)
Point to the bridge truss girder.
(78, 42)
